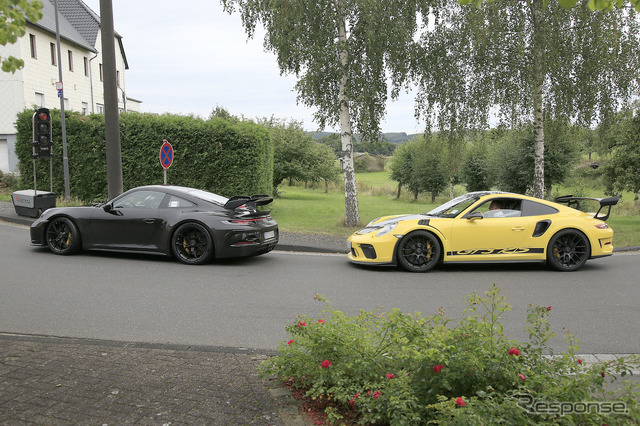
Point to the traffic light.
(42, 133)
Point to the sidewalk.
(57, 381)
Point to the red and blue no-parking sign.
(166, 154)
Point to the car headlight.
(386, 229)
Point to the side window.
(500, 207)
(140, 200)
(177, 202)
(531, 208)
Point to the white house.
(35, 84)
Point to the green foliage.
(297, 156)
(405, 369)
(225, 157)
(477, 171)
(623, 170)
(513, 157)
(13, 15)
(304, 37)
(421, 165)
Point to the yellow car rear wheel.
(568, 250)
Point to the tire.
(63, 236)
(192, 244)
(568, 250)
(418, 251)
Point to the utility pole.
(111, 119)
(65, 158)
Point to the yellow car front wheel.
(418, 251)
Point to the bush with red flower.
(468, 372)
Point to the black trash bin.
(32, 203)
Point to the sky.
(189, 57)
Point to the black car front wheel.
(63, 236)
(568, 250)
(419, 251)
(192, 244)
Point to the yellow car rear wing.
(576, 202)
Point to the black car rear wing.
(574, 202)
(249, 202)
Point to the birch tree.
(13, 16)
(349, 56)
(530, 59)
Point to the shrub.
(224, 156)
(397, 368)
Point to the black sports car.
(191, 224)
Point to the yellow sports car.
(489, 227)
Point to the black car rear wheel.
(568, 250)
(419, 251)
(192, 244)
(63, 236)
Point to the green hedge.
(228, 158)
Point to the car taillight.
(245, 221)
(602, 226)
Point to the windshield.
(453, 207)
(209, 196)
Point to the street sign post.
(166, 157)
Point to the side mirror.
(474, 216)
(107, 207)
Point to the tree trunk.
(538, 111)
(352, 216)
(399, 188)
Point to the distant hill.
(396, 138)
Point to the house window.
(32, 43)
(52, 47)
(100, 108)
(118, 78)
(70, 61)
(101, 76)
(85, 108)
(66, 104)
(39, 99)
(86, 67)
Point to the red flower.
(302, 324)
(377, 394)
(389, 376)
(326, 363)
(460, 402)
(320, 321)
(579, 361)
(522, 377)
(352, 402)
(290, 342)
(548, 308)
(602, 374)
(437, 368)
(514, 351)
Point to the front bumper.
(371, 250)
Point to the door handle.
(518, 228)
(148, 220)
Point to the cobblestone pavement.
(55, 381)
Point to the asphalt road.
(247, 303)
